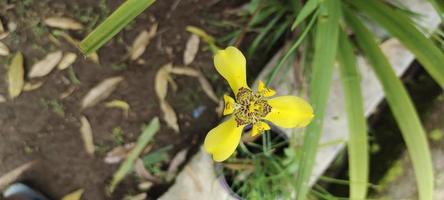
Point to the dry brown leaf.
(118, 153)
(63, 23)
(2, 99)
(123, 105)
(16, 76)
(32, 86)
(68, 59)
(76, 195)
(4, 50)
(142, 41)
(87, 135)
(13, 175)
(191, 49)
(45, 66)
(178, 160)
(141, 196)
(145, 186)
(2, 29)
(94, 57)
(67, 92)
(142, 172)
(4, 35)
(101, 91)
(206, 86)
(187, 71)
(161, 81)
(169, 115)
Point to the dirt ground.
(39, 125)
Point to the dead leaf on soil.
(142, 41)
(187, 71)
(76, 195)
(87, 135)
(119, 104)
(4, 35)
(169, 115)
(4, 50)
(178, 160)
(161, 81)
(32, 86)
(101, 91)
(145, 186)
(13, 175)
(141, 196)
(191, 49)
(63, 23)
(2, 99)
(67, 92)
(68, 59)
(206, 86)
(16, 76)
(45, 66)
(118, 154)
(142, 172)
(94, 57)
(2, 29)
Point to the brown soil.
(30, 129)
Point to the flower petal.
(222, 140)
(231, 64)
(228, 105)
(259, 127)
(290, 112)
(264, 91)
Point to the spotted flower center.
(250, 107)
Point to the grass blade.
(326, 41)
(357, 128)
(291, 50)
(308, 8)
(402, 27)
(401, 106)
(113, 24)
(128, 164)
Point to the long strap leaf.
(401, 106)
(113, 24)
(324, 57)
(402, 27)
(357, 127)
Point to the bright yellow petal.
(290, 112)
(229, 105)
(259, 127)
(231, 64)
(263, 90)
(222, 140)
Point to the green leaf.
(128, 164)
(326, 41)
(291, 50)
(308, 8)
(263, 32)
(401, 106)
(113, 24)
(402, 27)
(357, 128)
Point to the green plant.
(328, 42)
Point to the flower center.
(250, 107)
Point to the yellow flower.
(256, 108)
